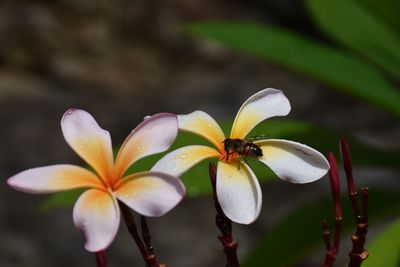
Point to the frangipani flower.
(96, 213)
(238, 189)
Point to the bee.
(243, 148)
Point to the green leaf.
(60, 200)
(386, 9)
(385, 250)
(337, 69)
(197, 180)
(296, 236)
(352, 25)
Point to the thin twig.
(148, 257)
(332, 248)
(224, 224)
(101, 259)
(358, 253)
(146, 234)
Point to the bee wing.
(258, 137)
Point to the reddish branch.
(144, 244)
(101, 259)
(332, 248)
(224, 224)
(358, 253)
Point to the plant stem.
(101, 259)
(358, 253)
(148, 256)
(224, 224)
(332, 249)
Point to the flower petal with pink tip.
(54, 178)
(150, 193)
(200, 123)
(263, 105)
(154, 135)
(180, 160)
(89, 141)
(238, 192)
(292, 161)
(96, 214)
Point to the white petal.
(179, 161)
(154, 135)
(292, 161)
(150, 193)
(200, 123)
(89, 141)
(96, 215)
(54, 178)
(260, 106)
(238, 192)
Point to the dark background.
(122, 60)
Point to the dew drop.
(146, 117)
(183, 156)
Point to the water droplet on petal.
(183, 156)
(146, 117)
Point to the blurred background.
(338, 62)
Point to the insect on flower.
(237, 188)
(243, 148)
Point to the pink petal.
(150, 193)
(54, 178)
(260, 106)
(238, 192)
(96, 215)
(89, 141)
(179, 161)
(200, 123)
(154, 135)
(293, 162)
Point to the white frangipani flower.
(238, 189)
(96, 213)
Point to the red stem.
(101, 258)
(224, 224)
(148, 257)
(332, 249)
(358, 253)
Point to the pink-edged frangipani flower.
(96, 213)
(238, 189)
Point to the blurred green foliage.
(300, 233)
(385, 249)
(362, 68)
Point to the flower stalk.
(332, 248)
(101, 258)
(358, 253)
(224, 224)
(143, 244)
